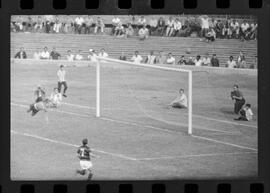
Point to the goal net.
(143, 93)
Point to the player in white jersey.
(55, 98)
(61, 73)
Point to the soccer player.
(245, 113)
(38, 106)
(238, 98)
(180, 101)
(40, 94)
(55, 98)
(61, 73)
(84, 154)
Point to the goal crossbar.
(148, 66)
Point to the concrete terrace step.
(177, 45)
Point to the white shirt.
(44, 55)
(235, 25)
(104, 54)
(78, 57)
(177, 25)
(153, 23)
(61, 75)
(170, 60)
(116, 20)
(231, 64)
(205, 23)
(70, 57)
(79, 20)
(37, 55)
(170, 23)
(151, 59)
(92, 57)
(137, 59)
(249, 114)
(182, 99)
(198, 62)
(56, 98)
(206, 61)
(141, 21)
(244, 26)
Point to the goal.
(101, 60)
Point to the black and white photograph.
(133, 97)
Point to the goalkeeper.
(180, 101)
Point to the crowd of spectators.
(151, 58)
(202, 26)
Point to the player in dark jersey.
(38, 104)
(84, 154)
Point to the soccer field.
(137, 136)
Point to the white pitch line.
(135, 124)
(194, 155)
(225, 143)
(199, 116)
(72, 145)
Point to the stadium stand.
(223, 48)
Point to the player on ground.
(84, 154)
(38, 106)
(61, 73)
(180, 101)
(40, 96)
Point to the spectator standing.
(170, 27)
(161, 58)
(99, 26)
(88, 24)
(231, 63)
(129, 31)
(21, 54)
(136, 58)
(160, 26)
(79, 21)
(204, 25)
(70, 57)
(198, 61)
(54, 54)
(241, 60)
(238, 98)
(244, 30)
(182, 61)
(235, 29)
(177, 26)
(39, 25)
(79, 56)
(253, 31)
(45, 54)
(226, 31)
(153, 26)
(150, 59)
(57, 26)
(214, 61)
(122, 57)
(170, 59)
(115, 24)
(141, 22)
(143, 33)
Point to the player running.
(84, 154)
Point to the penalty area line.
(72, 145)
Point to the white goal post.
(147, 66)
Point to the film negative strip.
(134, 96)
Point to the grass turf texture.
(137, 136)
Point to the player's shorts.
(86, 164)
